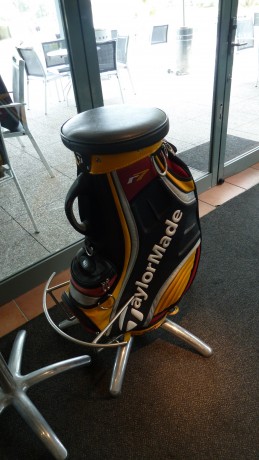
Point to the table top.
(62, 52)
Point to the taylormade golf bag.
(142, 241)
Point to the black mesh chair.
(55, 54)
(106, 52)
(159, 34)
(56, 59)
(36, 70)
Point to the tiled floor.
(29, 305)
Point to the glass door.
(170, 63)
(175, 54)
(240, 130)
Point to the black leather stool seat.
(114, 129)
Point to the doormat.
(198, 157)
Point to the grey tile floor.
(20, 246)
(187, 100)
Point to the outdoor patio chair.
(122, 55)
(106, 52)
(13, 123)
(55, 54)
(159, 34)
(56, 59)
(114, 34)
(36, 70)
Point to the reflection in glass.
(171, 60)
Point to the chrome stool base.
(119, 368)
(13, 387)
(187, 337)
(122, 355)
(123, 343)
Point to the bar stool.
(122, 156)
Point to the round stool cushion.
(114, 129)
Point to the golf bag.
(142, 241)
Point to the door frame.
(219, 106)
(79, 32)
(218, 169)
(226, 50)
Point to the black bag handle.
(79, 187)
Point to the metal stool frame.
(123, 343)
(13, 387)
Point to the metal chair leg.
(187, 337)
(45, 95)
(12, 175)
(20, 142)
(24, 201)
(39, 152)
(13, 387)
(119, 368)
(122, 97)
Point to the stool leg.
(25, 202)
(38, 424)
(119, 368)
(11, 394)
(13, 391)
(187, 337)
(15, 358)
(7, 385)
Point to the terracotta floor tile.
(220, 194)
(10, 318)
(58, 279)
(245, 179)
(256, 166)
(31, 302)
(205, 208)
